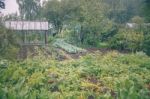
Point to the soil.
(90, 50)
(61, 55)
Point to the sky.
(11, 7)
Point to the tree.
(2, 5)
(123, 10)
(93, 20)
(57, 12)
(29, 9)
(146, 10)
(89, 15)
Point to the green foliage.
(121, 11)
(112, 75)
(8, 43)
(146, 43)
(94, 23)
(29, 10)
(137, 19)
(98, 75)
(67, 47)
(130, 40)
(57, 12)
(146, 11)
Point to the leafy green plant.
(68, 47)
(130, 40)
(111, 75)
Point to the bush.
(146, 44)
(130, 40)
(8, 43)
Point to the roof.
(135, 25)
(131, 25)
(26, 25)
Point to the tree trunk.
(81, 35)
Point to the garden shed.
(31, 32)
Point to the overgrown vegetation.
(97, 49)
(8, 43)
(112, 75)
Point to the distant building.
(131, 25)
(135, 25)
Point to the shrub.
(8, 43)
(146, 44)
(130, 40)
